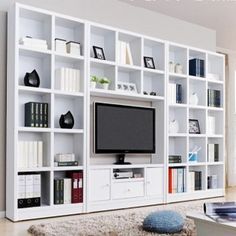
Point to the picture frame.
(194, 127)
(127, 87)
(99, 53)
(149, 62)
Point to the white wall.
(109, 12)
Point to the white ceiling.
(219, 15)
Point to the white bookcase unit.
(101, 191)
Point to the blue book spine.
(178, 93)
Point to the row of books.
(67, 79)
(194, 180)
(124, 53)
(36, 114)
(177, 180)
(70, 189)
(65, 159)
(39, 44)
(175, 93)
(212, 152)
(28, 190)
(214, 99)
(30, 154)
(197, 67)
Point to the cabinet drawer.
(127, 190)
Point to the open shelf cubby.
(70, 30)
(178, 114)
(215, 68)
(200, 182)
(195, 54)
(200, 115)
(178, 146)
(197, 88)
(36, 25)
(199, 145)
(103, 38)
(217, 171)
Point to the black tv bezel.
(122, 151)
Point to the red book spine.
(77, 187)
(170, 180)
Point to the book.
(36, 186)
(40, 153)
(179, 93)
(197, 67)
(212, 152)
(198, 180)
(30, 154)
(212, 181)
(61, 191)
(170, 177)
(40, 115)
(214, 98)
(65, 163)
(29, 186)
(35, 154)
(45, 115)
(30, 114)
(129, 59)
(211, 124)
(175, 159)
(67, 190)
(36, 115)
(56, 191)
(61, 157)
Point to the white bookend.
(35, 156)
(122, 52)
(77, 80)
(30, 153)
(29, 186)
(36, 185)
(211, 152)
(211, 125)
(20, 186)
(26, 154)
(67, 190)
(20, 159)
(40, 153)
(129, 59)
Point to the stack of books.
(197, 67)
(212, 152)
(175, 159)
(211, 124)
(29, 190)
(38, 44)
(124, 53)
(194, 180)
(67, 79)
(214, 98)
(70, 189)
(36, 114)
(212, 181)
(175, 93)
(30, 154)
(221, 211)
(177, 180)
(65, 159)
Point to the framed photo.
(194, 127)
(99, 53)
(149, 62)
(127, 87)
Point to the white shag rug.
(117, 223)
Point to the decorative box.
(73, 48)
(60, 45)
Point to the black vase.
(32, 79)
(66, 121)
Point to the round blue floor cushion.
(164, 222)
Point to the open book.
(221, 211)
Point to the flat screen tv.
(122, 129)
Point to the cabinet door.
(155, 181)
(99, 185)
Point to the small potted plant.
(93, 81)
(104, 83)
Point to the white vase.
(105, 86)
(193, 99)
(173, 126)
(171, 67)
(93, 84)
(178, 69)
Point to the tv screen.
(124, 129)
